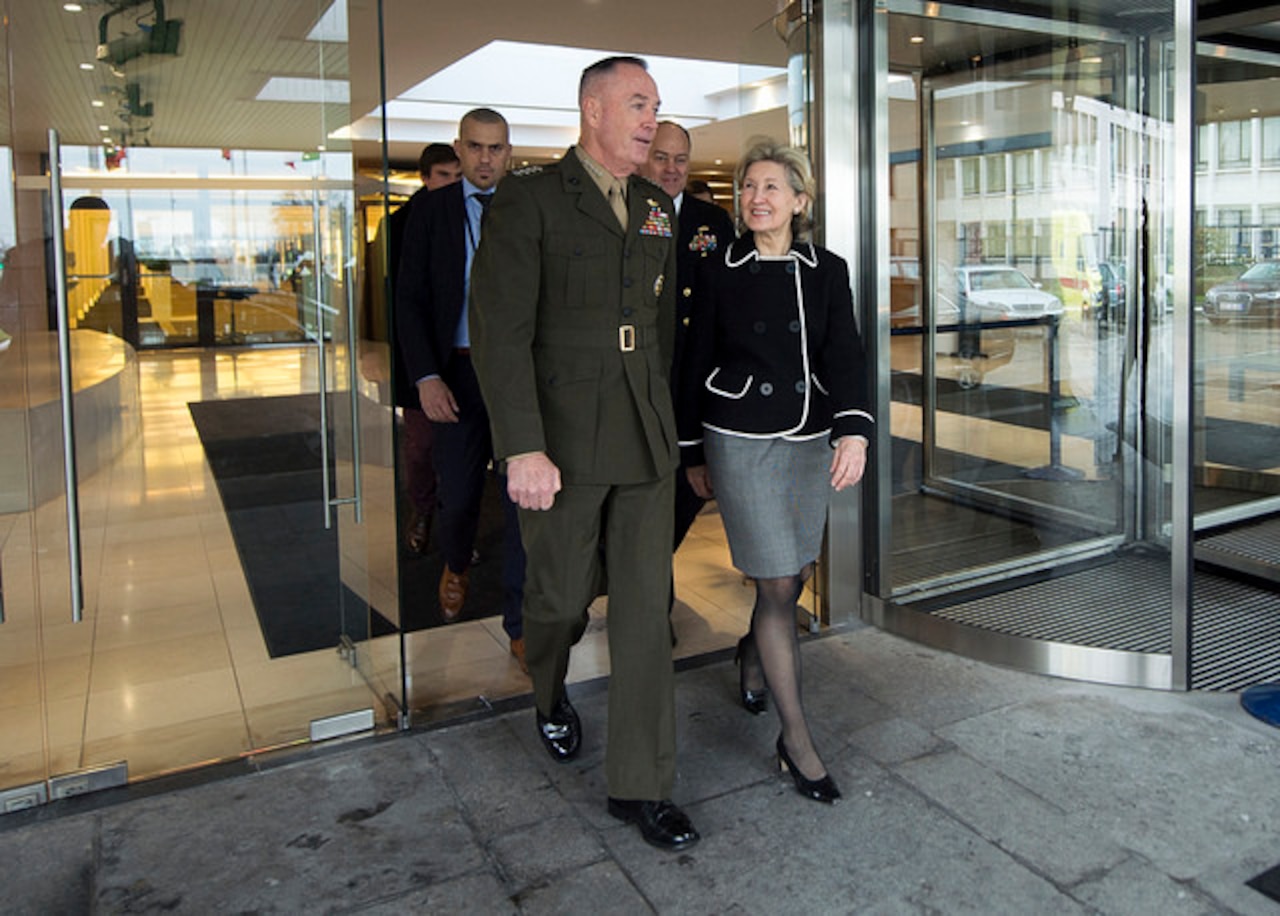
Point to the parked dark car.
(1255, 295)
(1108, 301)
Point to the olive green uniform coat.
(572, 328)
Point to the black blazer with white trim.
(773, 350)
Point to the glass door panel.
(1237, 252)
(187, 588)
(1236, 325)
(1011, 200)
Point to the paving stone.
(968, 789)
(340, 829)
(498, 784)
(1177, 787)
(48, 867)
(598, 888)
(1135, 887)
(535, 855)
(1012, 818)
(480, 892)
(895, 740)
(766, 849)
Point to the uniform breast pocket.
(729, 384)
(578, 270)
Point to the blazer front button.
(758, 327)
(766, 388)
(794, 327)
(800, 386)
(626, 283)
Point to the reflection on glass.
(223, 266)
(1237, 287)
(1008, 314)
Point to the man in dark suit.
(705, 229)
(437, 166)
(573, 320)
(440, 243)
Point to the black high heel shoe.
(823, 790)
(753, 701)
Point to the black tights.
(775, 651)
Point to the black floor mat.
(265, 457)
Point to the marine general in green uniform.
(572, 325)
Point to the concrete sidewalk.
(968, 789)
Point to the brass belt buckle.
(627, 338)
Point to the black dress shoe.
(753, 701)
(822, 789)
(661, 823)
(561, 732)
(418, 534)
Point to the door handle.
(74, 561)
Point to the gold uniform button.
(688, 291)
(686, 322)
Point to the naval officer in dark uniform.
(705, 230)
(572, 324)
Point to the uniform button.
(758, 327)
(794, 327)
(626, 283)
(688, 291)
(800, 387)
(686, 322)
(754, 268)
(791, 267)
(577, 252)
(626, 313)
(766, 388)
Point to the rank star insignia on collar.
(657, 222)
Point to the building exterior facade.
(1061, 219)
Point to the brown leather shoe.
(453, 593)
(517, 650)
(418, 534)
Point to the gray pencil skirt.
(773, 496)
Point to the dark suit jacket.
(431, 282)
(406, 393)
(768, 358)
(554, 280)
(705, 230)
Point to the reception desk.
(104, 375)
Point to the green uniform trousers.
(562, 570)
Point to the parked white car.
(999, 293)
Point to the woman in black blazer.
(774, 418)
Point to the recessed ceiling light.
(98, 103)
(917, 39)
(104, 127)
(86, 66)
(73, 7)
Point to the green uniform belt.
(626, 337)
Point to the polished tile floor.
(169, 668)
